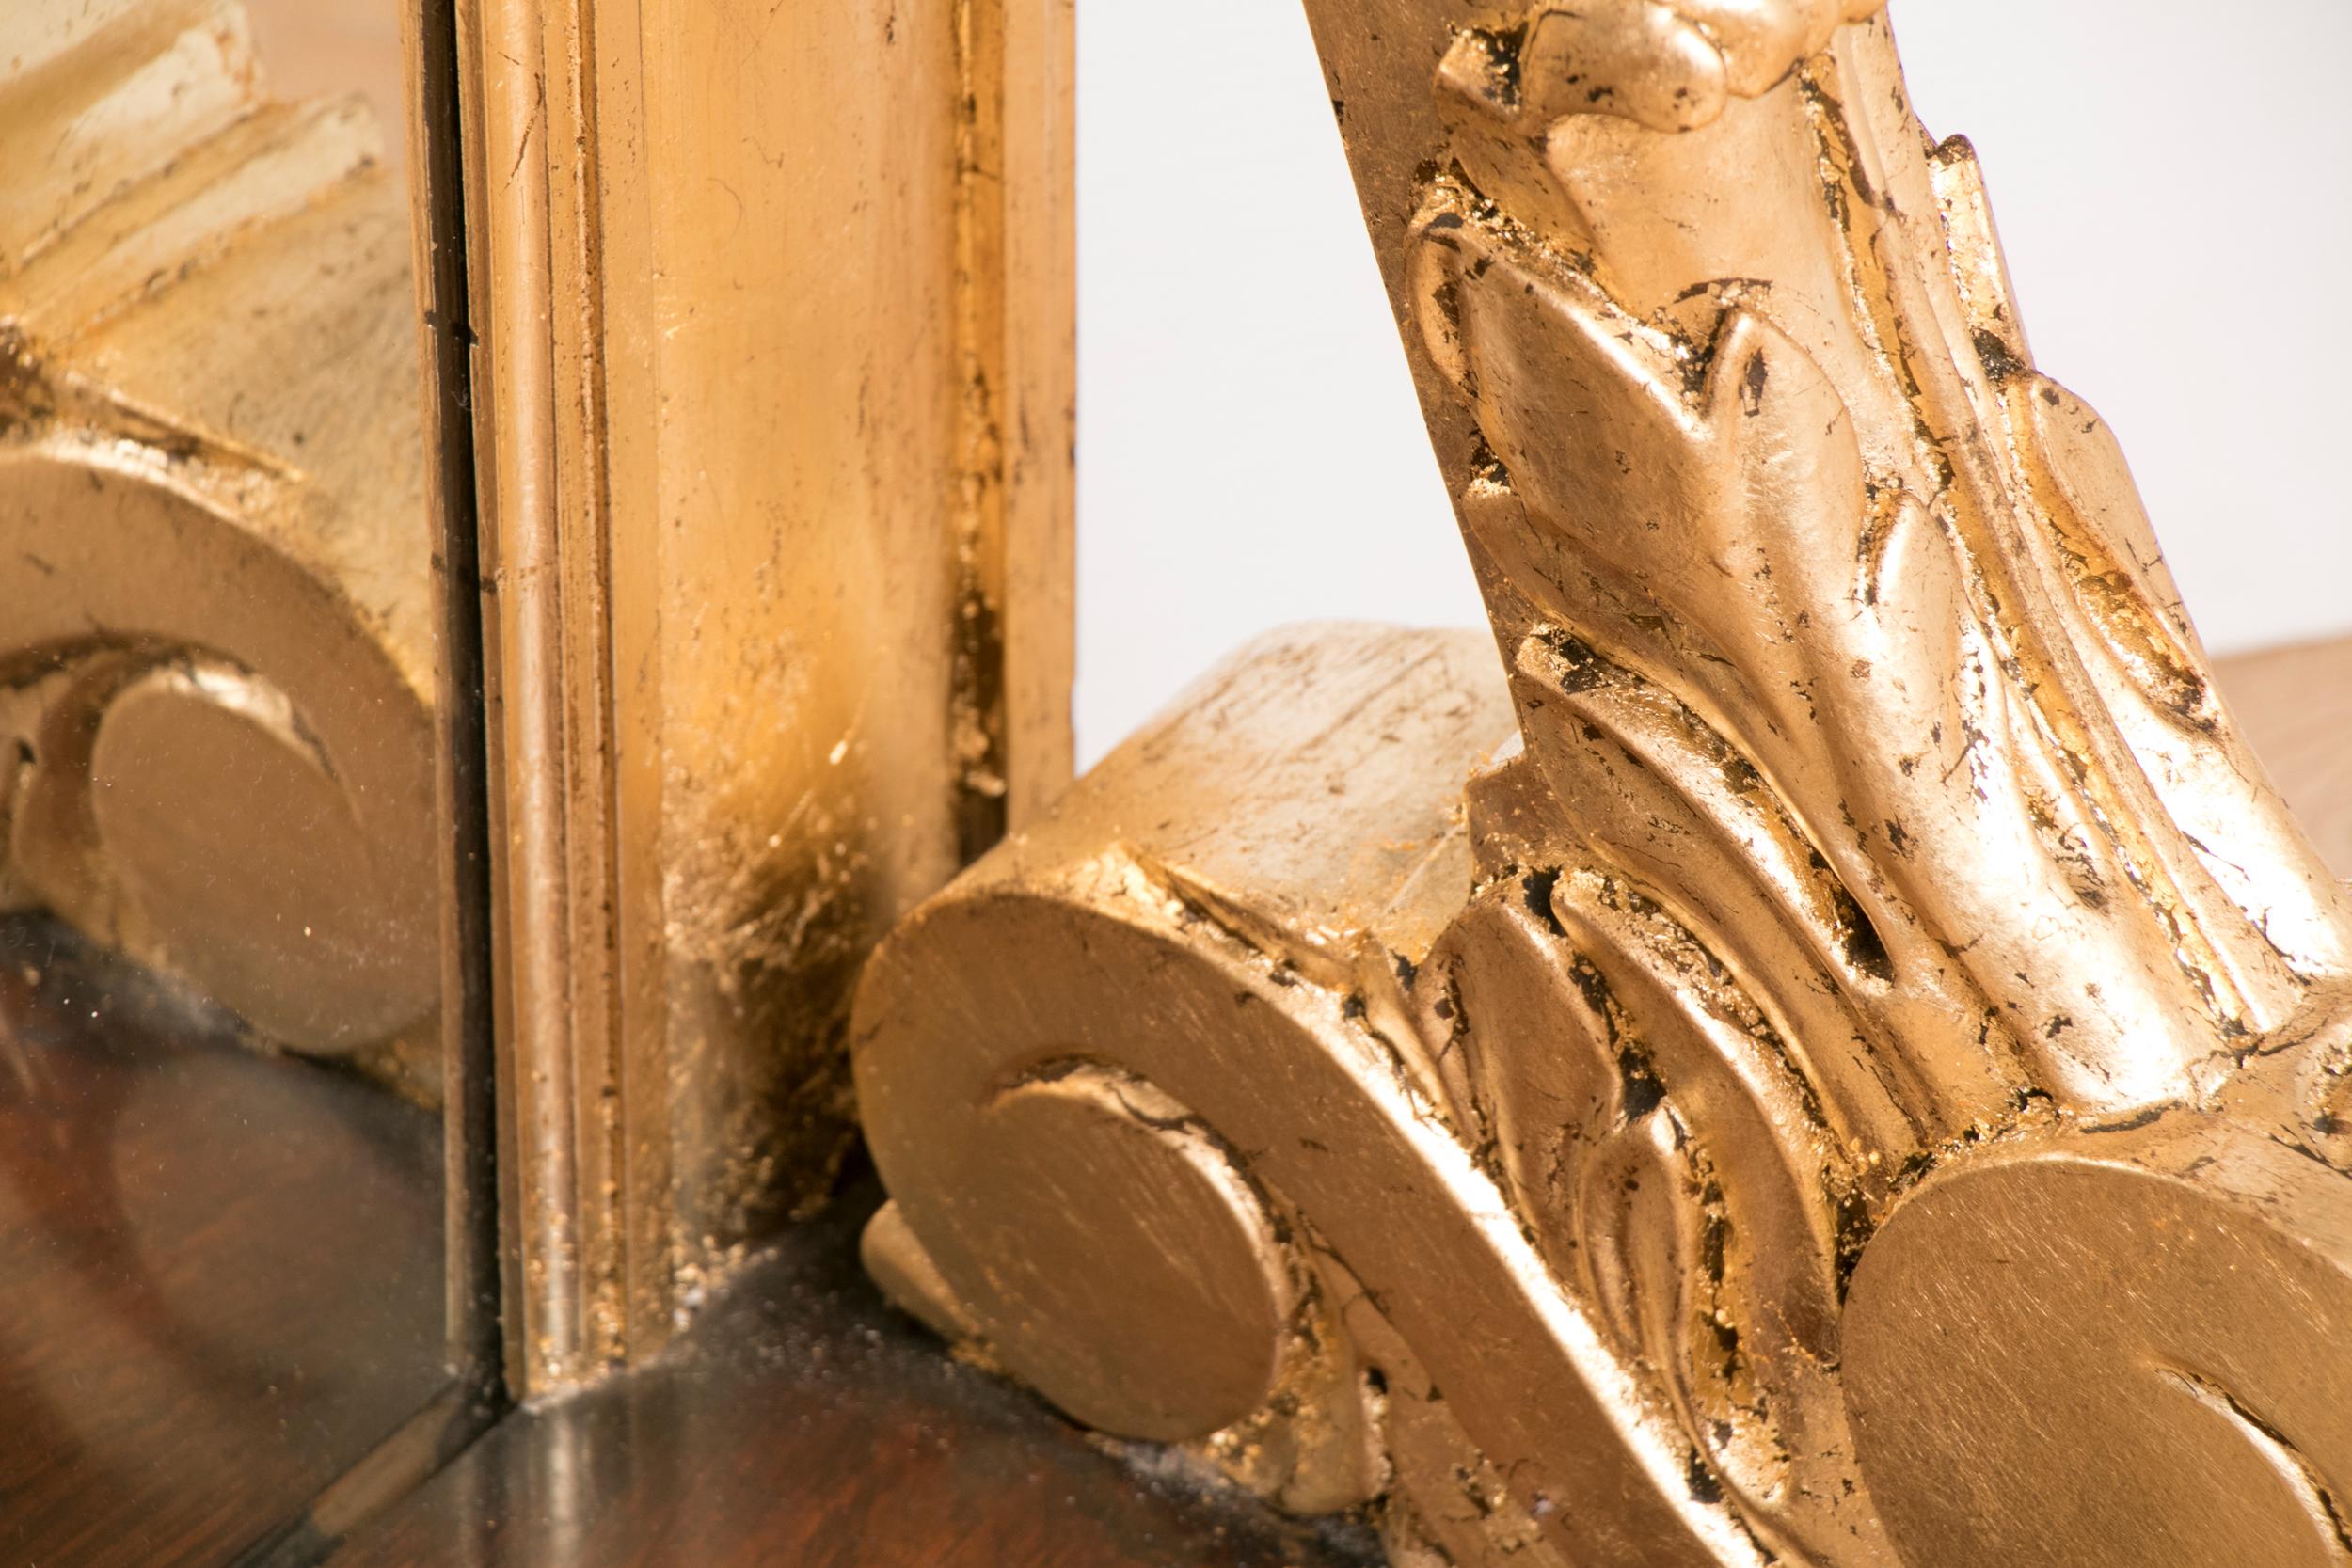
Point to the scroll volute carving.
(214, 663)
(1855, 1079)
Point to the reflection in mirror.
(220, 1173)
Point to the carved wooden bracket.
(214, 664)
(1859, 1077)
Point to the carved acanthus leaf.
(1873, 941)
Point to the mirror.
(223, 1207)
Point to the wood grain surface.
(220, 1280)
(800, 1422)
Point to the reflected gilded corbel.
(215, 658)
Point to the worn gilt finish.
(773, 408)
(1858, 1078)
(216, 669)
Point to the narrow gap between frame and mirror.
(477, 1395)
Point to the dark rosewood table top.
(220, 1273)
(803, 1424)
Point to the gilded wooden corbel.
(215, 742)
(1858, 1075)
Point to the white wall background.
(2174, 185)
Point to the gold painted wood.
(214, 665)
(1856, 1079)
(775, 417)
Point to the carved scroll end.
(1093, 1183)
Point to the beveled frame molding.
(857, 484)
